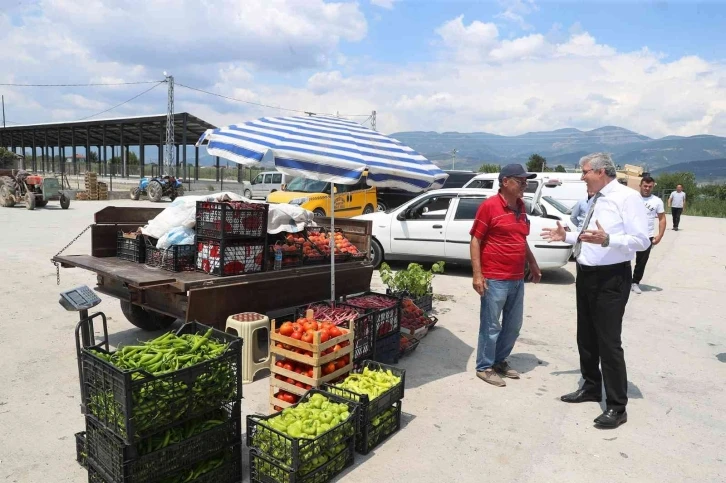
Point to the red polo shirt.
(503, 238)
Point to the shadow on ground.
(525, 362)
(441, 354)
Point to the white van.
(567, 188)
(268, 182)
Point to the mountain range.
(563, 146)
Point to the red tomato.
(308, 337)
(310, 373)
(340, 363)
(324, 336)
(297, 335)
(300, 385)
(298, 327)
(288, 398)
(287, 366)
(337, 347)
(279, 364)
(290, 380)
(335, 332)
(286, 329)
(329, 368)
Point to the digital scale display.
(79, 298)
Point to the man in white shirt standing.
(615, 228)
(677, 203)
(655, 210)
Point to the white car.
(553, 209)
(435, 226)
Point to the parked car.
(267, 182)
(435, 226)
(389, 198)
(567, 188)
(350, 200)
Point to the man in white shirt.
(677, 203)
(655, 210)
(615, 229)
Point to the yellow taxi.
(350, 200)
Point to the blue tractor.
(158, 187)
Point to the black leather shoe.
(581, 396)
(611, 418)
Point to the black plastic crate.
(81, 453)
(231, 220)
(387, 320)
(225, 466)
(149, 460)
(176, 258)
(264, 469)
(379, 429)
(293, 453)
(364, 335)
(134, 404)
(230, 257)
(131, 249)
(388, 348)
(413, 343)
(424, 302)
(292, 255)
(368, 409)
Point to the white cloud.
(516, 10)
(387, 4)
(480, 81)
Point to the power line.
(263, 105)
(124, 102)
(92, 84)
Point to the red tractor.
(17, 186)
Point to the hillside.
(708, 170)
(563, 146)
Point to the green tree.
(489, 168)
(536, 163)
(560, 169)
(93, 157)
(667, 182)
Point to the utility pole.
(3, 111)
(453, 158)
(169, 146)
(373, 120)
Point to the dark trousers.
(641, 260)
(676, 212)
(602, 293)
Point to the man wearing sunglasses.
(498, 252)
(614, 230)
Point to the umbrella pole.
(332, 243)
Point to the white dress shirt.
(623, 216)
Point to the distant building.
(79, 158)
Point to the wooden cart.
(152, 299)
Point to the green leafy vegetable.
(414, 280)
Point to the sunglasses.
(520, 181)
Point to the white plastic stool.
(254, 329)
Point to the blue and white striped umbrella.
(326, 149)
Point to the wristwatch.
(606, 242)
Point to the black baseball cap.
(515, 171)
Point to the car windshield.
(303, 185)
(558, 206)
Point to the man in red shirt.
(498, 251)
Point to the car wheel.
(368, 210)
(319, 212)
(382, 206)
(134, 193)
(248, 194)
(376, 253)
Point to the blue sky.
(506, 67)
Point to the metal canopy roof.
(148, 130)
